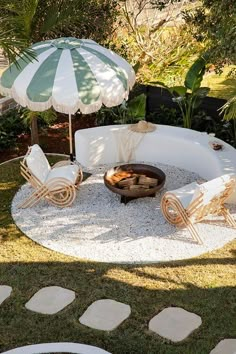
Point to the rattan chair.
(193, 202)
(56, 184)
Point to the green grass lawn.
(203, 285)
(221, 85)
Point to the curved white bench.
(180, 147)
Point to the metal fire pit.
(127, 195)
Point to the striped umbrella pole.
(70, 138)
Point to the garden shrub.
(201, 121)
(166, 116)
(11, 125)
(17, 121)
(223, 129)
(128, 112)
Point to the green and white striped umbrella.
(69, 74)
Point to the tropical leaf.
(196, 102)
(136, 67)
(229, 109)
(137, 107)
(195, 74)
(202, 92)
(13, 48)
(180, 90)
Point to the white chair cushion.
(211, 189)
(69, 172)
(185, 193)
(38, 163)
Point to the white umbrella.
(70, 75)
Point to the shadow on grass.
(147, 294)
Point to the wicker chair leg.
(180, 218)
(189, 225)
(228, 217)
(34, 198)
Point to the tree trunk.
(34, 130)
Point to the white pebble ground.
(98, 227)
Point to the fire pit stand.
(125, 200)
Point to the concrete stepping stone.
(225, 346)
(5, 292)
(105, 314)
(174, 323)
(50, 300)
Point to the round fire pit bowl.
(137, 169)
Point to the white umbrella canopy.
(70, 75)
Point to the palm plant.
(189, 96)
(34, 20)
(13, 47)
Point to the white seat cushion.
(211, 189)
(208, 190)
(69, 172)
(185, 193)
(38, 163)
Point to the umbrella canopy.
(69, 74)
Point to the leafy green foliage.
(201, 121)
(195, 74)
(11, 125)
(137, 107)
(214, 24)
(45, 118)
(18, 121)
(189, 96)
(229, 109)
(25, 22)
(180, 90)
(222, 129)
(167, 116)
(128, 112)
(12, 46)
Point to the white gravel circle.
(98, 227)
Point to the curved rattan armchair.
(192, 203)
(57, 184)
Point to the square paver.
(5, 292)
(50, 300)
(226, 346)
(105, 315)
(174, 323)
